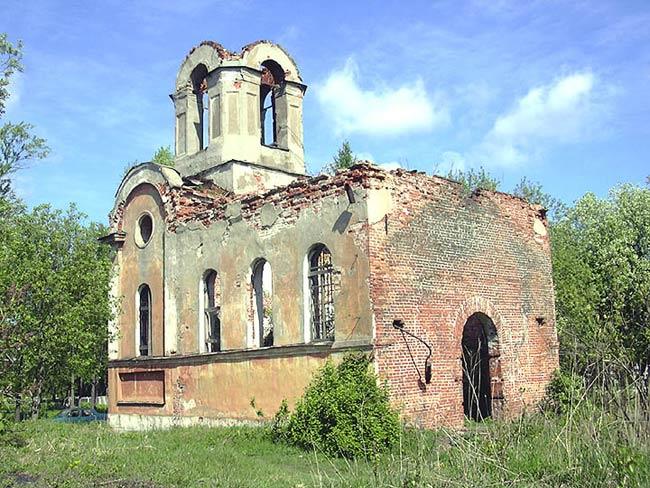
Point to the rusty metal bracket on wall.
(399, 325)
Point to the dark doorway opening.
(481, 369)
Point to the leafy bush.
(280, 424)
(344, 412)
(563, 392)
(10, 434)
(99, 407)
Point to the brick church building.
(238, 275)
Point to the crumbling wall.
(218, 387)
(437, 256)
(229, 233)
(405, 246)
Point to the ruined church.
(238, 276)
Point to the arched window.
(270, 86)
(199, 79)
(211, 333)
(320, 282)
(262, 297)
(144, 321)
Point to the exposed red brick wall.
(441, 256)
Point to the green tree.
(163, 156)
(17, 144)
(474, 179)
(54, 307)
(601, 266)
(534, 193)
(343, 159)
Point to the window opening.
(268, 120)
(199, 80)
(145, 320)
(262, 281)
(212, 313)
(270, 86)
(321, 287)
(205, 122)
(144, 230)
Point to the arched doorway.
(482, 391)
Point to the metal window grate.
(321, 286)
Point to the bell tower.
(239, 116)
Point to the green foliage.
(102, 408)
(343, 159)
(601, 265)
(17, 144)
(474, 179)
(10, 63)
(280, 426)
(534, 193)
(54, 305)
(585, 448)
(258, 411)
(344, 412)
(10, 433)
(163, 156)
(565, 391)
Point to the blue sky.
(555, 91)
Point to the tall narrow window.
(211, 313)
(144, 320)
(271, 84)
(268, 119)
(205, 118)
(199, 79)
(321, 291)
(262, 286)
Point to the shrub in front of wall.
(101, 408)
(344, 412)
(565, 391)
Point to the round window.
(143, 230)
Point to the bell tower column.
(187, 120)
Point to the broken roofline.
(362, 173)
(200, 200)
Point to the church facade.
(238, 276)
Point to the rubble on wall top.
(221, 51)
(226, 54)
(202, 200)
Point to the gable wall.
(436, 258)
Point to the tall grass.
(595, 433)
(584, 446)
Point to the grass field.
(574, 450)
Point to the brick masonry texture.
(438, 258)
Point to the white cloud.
(388, 165)
(560, 112)
(379, 111)
(450, 161)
